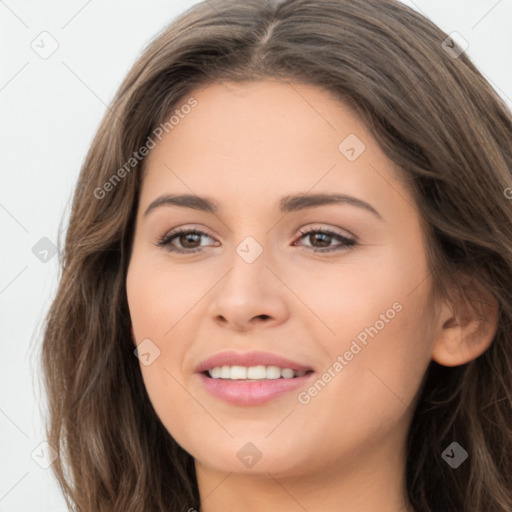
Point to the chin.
(250, 458)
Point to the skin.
(246, 146)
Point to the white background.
(50, 109)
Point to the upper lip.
(250, 359)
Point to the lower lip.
(239, 392)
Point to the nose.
(249, 295)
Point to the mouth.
(252, 378)
(254, 385)
(253, 373)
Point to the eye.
(324, 237)
(190, 238)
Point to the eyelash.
(166, 240)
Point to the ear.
(466, 328)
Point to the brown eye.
(321, 240)
(187, 239)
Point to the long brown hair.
(435, 117)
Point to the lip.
(250, 393)
(246, 393)
(253, 358)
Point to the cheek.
(347, 297)
(159, 297)
(394, 352)
(161, 309)
(373, 388)
(375, 315)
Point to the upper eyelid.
(314, 228)
(308, 228)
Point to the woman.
(287, 275)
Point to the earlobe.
(466, 329)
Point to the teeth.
(238, 372)
(253, 372)
(287, 373)
(256, 372)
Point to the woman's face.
(356, 316)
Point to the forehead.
(260, 140)
(265, 115)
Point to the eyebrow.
(291, 203)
